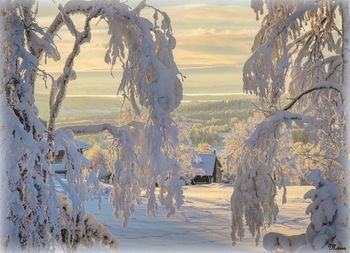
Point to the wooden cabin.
(211, 167)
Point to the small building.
(58, 165)
(211, 167)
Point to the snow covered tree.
(34, 215)
(186, 153)
(235, 141)
(299, 52)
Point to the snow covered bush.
(87, 230)
(329, 222)
(144, 151)
(276, 242)
(329, 219)
(299, 52)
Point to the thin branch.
(291, 104)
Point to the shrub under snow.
(329, 219)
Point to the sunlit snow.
(202, 224)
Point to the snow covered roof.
(80, 144)
(206, 163)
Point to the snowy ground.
(202, 224)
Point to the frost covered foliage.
(144, 153)
(299, 52)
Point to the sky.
(213, 41)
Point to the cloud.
(206, 34)
(209, 46)
(210, 12)
(213, 42)
(241, 39)
(229, 17)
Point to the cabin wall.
(218, 176)
(217, 172)
(203, 179)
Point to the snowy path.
(202, 224)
